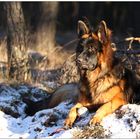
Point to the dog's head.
(91, 44)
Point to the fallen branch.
(70, 42)
(133, 38)
(56, 131)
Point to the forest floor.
(48, 123)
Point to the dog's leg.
(108, 108)
(72, 115)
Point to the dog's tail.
(33, 107)
(64, 93)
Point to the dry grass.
(40, 58)
(90, 132)
(53, 55)
(3, 59)
(57, 57)
(46, 56)
(3, 50)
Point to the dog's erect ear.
(103, 32)
(82, 28)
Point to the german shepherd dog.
(105, 84)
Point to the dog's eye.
(92, 49)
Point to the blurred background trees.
(121, 16)
(17, 41)
(46, 28)
(43, 26)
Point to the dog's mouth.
(91, 68)
(90, 64)
(86, 66)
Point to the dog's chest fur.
(96, 83)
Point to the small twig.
(133, 38)
(70, 42)
(128, 39)
(129, 51)
(56, 131)
(130, 45)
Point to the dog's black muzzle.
(88, 62)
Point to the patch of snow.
(124, 123)
(22, 90)
(127, 126)
(33, 127)
(7, 93)
(10, 100)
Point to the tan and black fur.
(105, 83)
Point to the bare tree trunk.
(16, 41)
(47, 27)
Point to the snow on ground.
(40, 125)
(124, 123)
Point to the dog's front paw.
(68, 123)
(95, 120)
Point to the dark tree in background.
(16, 41)
(46, 28)
(121, 17)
